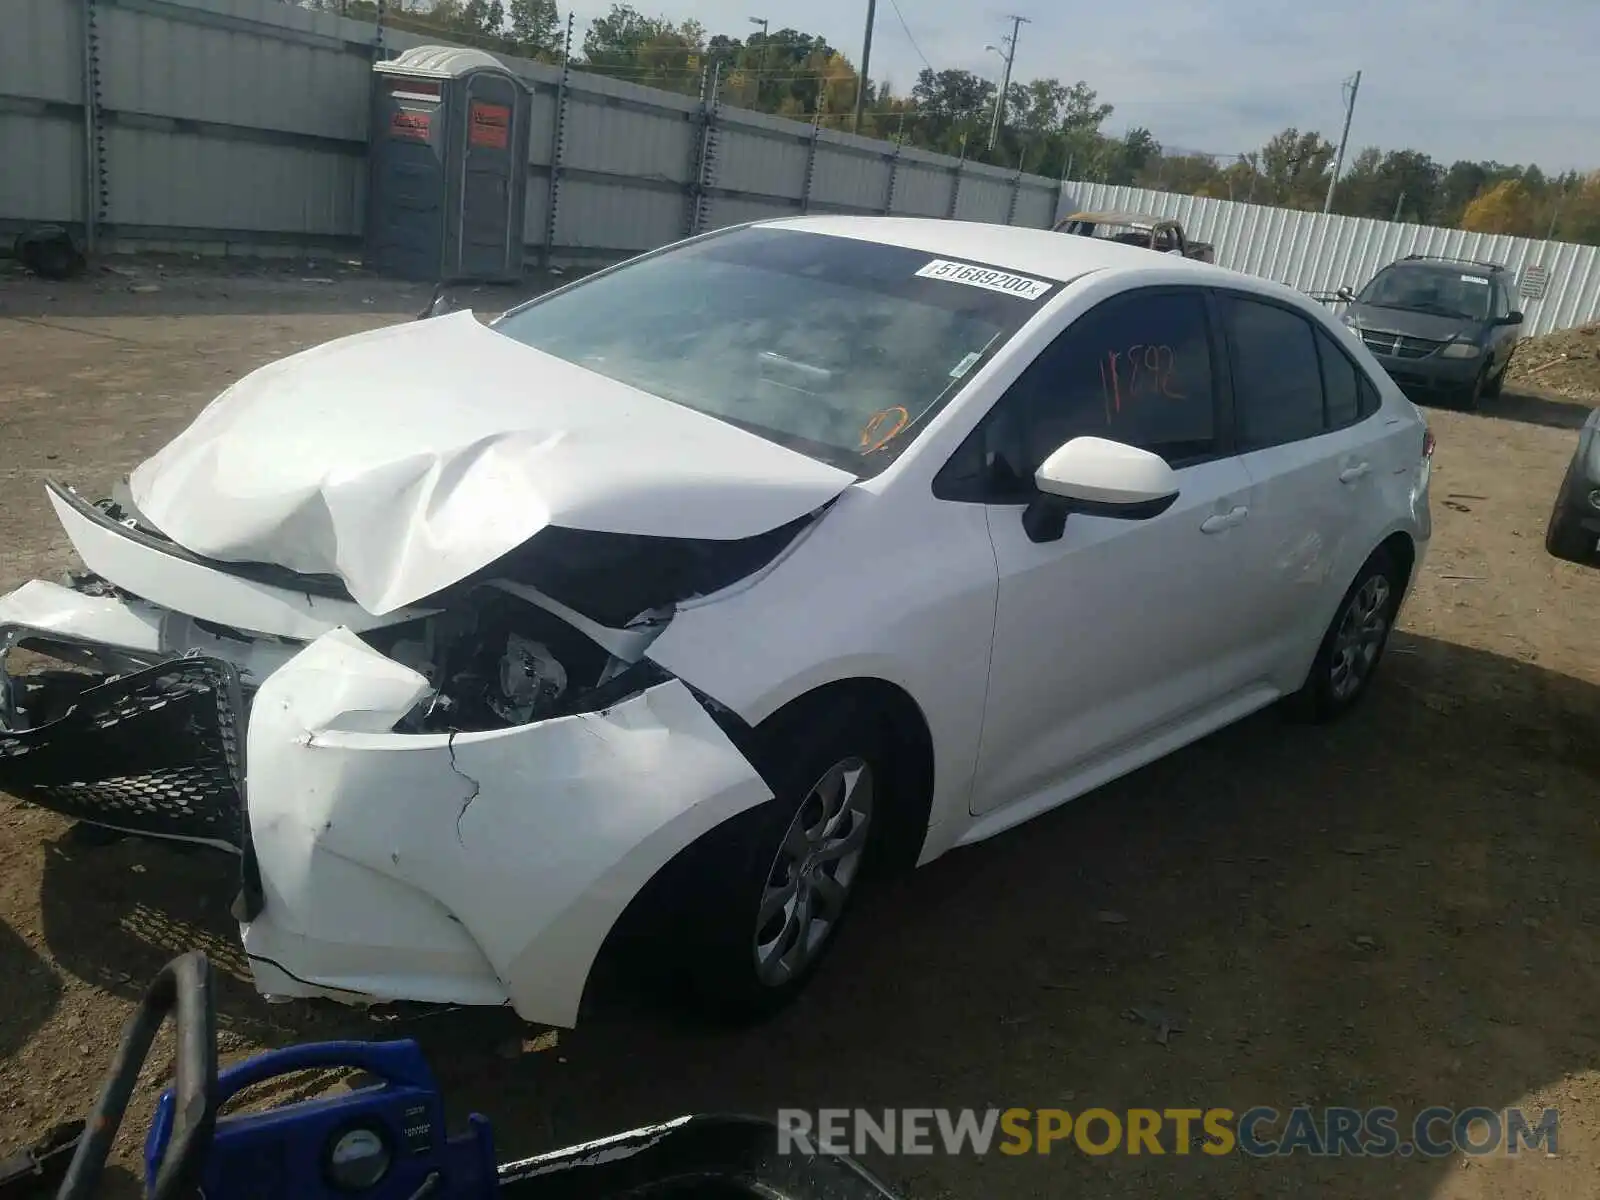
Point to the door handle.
(1217, 522)
(1351, 474)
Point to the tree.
(536, 29)
(1294, 169)
(953, 110)
(1507, 207)
(652, 51)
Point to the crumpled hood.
(404, 459)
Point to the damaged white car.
(706, 583)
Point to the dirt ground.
(1400, 910)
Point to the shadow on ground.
(1528, 407)
(31, 992)
(1536, 408)
(1395, 910)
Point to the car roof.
(1115, 218)
(1012, 247)
(1466, 266)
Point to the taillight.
(1427, 443)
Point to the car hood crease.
(405, 459)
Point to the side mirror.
(1100, 478)
(1514, 317)
(1345, 294)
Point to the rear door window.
(1341, 384)
(1277, 376)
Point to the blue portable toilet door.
(490, 233)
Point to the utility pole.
(1010, 42)
(1397, 206)
(1338, 159)
(761, 67)
(866, 61)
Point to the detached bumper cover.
(473, 868)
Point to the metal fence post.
(811, 163)
(894, 171)
(96, 187)
(558, 142)
(704, 157)
(955, 182)
(1061, 191)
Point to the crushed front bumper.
(473, 868)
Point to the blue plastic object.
(396, 1124)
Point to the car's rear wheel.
(768, 891)
(1354, 643)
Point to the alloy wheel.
(1362, 629)
(811, 877)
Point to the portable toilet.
(448, 177)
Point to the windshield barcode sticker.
(984, 277)
(1475, 279)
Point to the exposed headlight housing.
(1461, 350)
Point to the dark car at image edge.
(1574, 530)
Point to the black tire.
(723, 881)
(1564, 537)
(1328, 693)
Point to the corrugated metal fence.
(243, 124)
(1318, 253)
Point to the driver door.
(1120, 631)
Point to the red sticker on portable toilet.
(412, 125)
(489, 125)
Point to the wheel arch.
(906, 734)
(631, 944)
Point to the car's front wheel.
(1497, 384)
(1472, 398)
(1353, 645)
(769, 889)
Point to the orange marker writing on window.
(882, 426)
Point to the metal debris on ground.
(1164, 1023)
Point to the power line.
(895, 4)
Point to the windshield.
(841, 349)
(1438, 290)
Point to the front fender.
(469, 867)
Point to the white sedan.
(704, 585)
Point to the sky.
(1453, 78)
